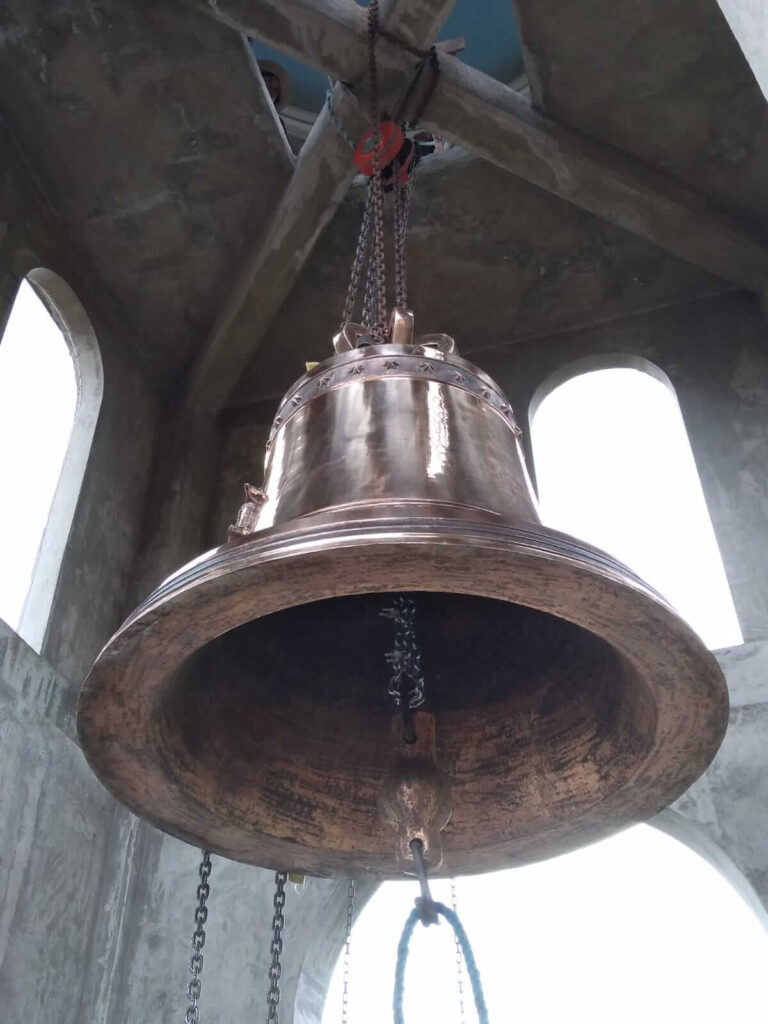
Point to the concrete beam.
(492, 120)
(332, 31)
(330, 35)
(319, 182)
(487, 117)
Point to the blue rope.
(469, 959)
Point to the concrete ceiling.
(491, 260)
(492, 45)
(665, 80)
(148, 127)
(154, 139)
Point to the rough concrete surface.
(140, 161)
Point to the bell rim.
(257, 566)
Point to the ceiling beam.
(319, 182)
(472, 110)
(493, 121)
(329, 35)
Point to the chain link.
(377, 186)
(334, 119)
(276, 947)
(459, 958)
(192, 1016)
(405, 659)
(402, 210)
(361, 257)
(347, 952)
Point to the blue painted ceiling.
(493, 46)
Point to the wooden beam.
(493, 121)
(330, 35)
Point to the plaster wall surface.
(95, 907)
(61, 843)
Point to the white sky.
(637, 928)
(614, 467)
(38, 398)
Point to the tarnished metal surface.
(243, 706)
(415, 797)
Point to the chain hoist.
(192, 1016)
(276, 947)
(390, 160)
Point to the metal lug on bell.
(347, 337)
(401, 329)
(242, 707)
(437, 346)
(415, 797)
(248, 515)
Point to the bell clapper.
(415, 796)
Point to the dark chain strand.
(405, 659)
(377, 187)
(361, 256)
(402, 211)
(276, 947)
(192, 1016)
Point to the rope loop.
(469, 960)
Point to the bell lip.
(257, 568)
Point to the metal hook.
(425, 905)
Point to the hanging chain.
(276, 947)
(192, 1016)
(402, 210)
(347, 951)
(405, 659)
(459, 957)
(362, 254)
(369, 261)
(377, 187)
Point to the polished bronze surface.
(243, 706)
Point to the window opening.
(638, 927)
(49, 400)
(614, 467)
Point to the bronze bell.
(243, 706)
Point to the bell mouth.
(244, 706)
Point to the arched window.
(614, 467)
(50, 392)
(636, 928)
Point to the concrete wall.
(60, 832)
(95, 907)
